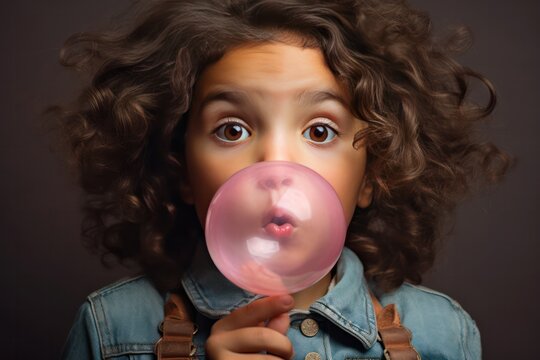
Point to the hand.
(243, 334)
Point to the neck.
(303, 299)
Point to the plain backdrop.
(489, 264)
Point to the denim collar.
(348, 305)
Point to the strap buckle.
(158, 343)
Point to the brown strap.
(394, 337)
(177, 330)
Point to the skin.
(267, 102)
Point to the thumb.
(280, 323)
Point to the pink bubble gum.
(275, 228)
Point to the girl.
(189, 92)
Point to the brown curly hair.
(125, 130)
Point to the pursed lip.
(279, 223)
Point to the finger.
(257, 357)
(280, 323)
(252, 341)
(235, 356)
(251, 357)
(254, 313)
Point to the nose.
(275, 182)
(276, 146)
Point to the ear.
(365, 195)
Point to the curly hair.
(125, 131)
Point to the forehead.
(280, 70)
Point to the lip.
(279, 224)
(279, 231)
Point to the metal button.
(309, 327)
(312, 356)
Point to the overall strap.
(177, 331)
(394, 337)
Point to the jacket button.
(309, 327)
(312, 356)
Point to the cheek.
(346, 177)
(206, 174)
(347, 192)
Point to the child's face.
(267, 102)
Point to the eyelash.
(328, 125)
(219, 132)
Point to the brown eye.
(232, 132)
(319, 134)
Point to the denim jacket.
(121, 321)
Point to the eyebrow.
(317, 96)
(232, 96)
(239, 97)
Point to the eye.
(319, 133)
(232, 132)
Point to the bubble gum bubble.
(275, 227)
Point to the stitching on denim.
(338, 314)
(434, 292)
(98, 327)
(460, 313)
(358, 333)
(326, 345)
(463, 330)
(106, 326)
(362, 334)
(197, 296)
(197, 291)
(129, 349)
(114, 286)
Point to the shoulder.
(440, 326)
(128, 302)
(121, 318)
(123, 300)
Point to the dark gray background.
(490, 263)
